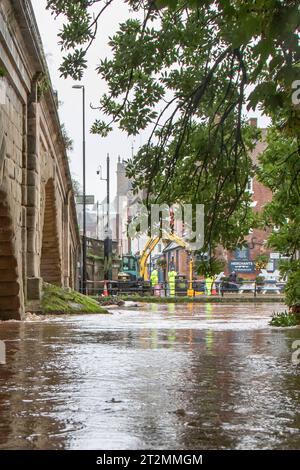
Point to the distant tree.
(280, 171)
(76, 187)
(69, 144)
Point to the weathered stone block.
(5, 234)
(19, 175)
(3, 213)
(10, 303)
(32, 178)
(9, 289)
(4, 221)
(6, 249)
(18, 193)
(8, 262)
(8, 275)
(32, 196)
(11, 315)
(34, 288)
(32, 161)
(10, 168)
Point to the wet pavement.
(206, 376)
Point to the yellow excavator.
(149, 247)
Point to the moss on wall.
(58, 300)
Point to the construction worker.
(209, 280)
(172, 282)
(154, 280)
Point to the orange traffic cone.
(105, 290)
(213, 289)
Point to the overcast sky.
(70, 111)
(117, 143)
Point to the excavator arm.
(174, 238)
(149, 247)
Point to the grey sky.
(117, 143)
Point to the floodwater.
(199, 376)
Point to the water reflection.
(197, 376)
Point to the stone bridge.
(39, 237)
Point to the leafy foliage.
(210, 267)
(284, 319)
(43, 85)
(261, 262)
(253, 42)
(260, 280)
(161, 263)
(291, 270)
(69, 144)
(76, 187)
(280, 171)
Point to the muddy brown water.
(208, 376)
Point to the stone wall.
(12, 219)
(39, 238)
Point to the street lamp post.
(83, 267)
(108, 234)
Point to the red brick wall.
(261, 196)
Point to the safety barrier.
(182, 288)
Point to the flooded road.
(205, 376)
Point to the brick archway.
(50, 256)
(10, 303)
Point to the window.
(129, 263)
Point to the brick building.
(244, 261)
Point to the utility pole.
(108, 233)
(97, 227)
(108, 190)
(108, 238)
